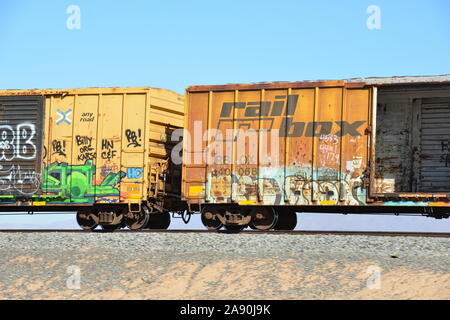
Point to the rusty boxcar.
(103, 152)
(254, 154)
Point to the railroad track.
(346, 233)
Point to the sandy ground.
(226, 279)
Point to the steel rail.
(246, 232)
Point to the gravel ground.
(221, 266)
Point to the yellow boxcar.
(254, 154)
(85, 147)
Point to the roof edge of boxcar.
(90, 90)
(350, 83)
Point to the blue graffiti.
(134, 173)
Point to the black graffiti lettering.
(86, 149)
(108, 151)
(108, 155)
(83, 140)
(445, 156)
(86, 156)
(107, 144)
(87, 152)
(349, 128)
(132, 138)
(59, 147)
(445, 144)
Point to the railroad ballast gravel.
(221, 266)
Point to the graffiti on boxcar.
(59, 147)
(17, 143)
(75, 183)
(108, 151)
(134, 138)
(329, 150)
(298, 188)
(108, 168)
(13, 178)
(445, 156)
(87, 151)
(134, 173)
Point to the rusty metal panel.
(434, 146)
(355, 144)
(194, 166)
(245, 146)
(327, 144)
(318, 157)
(298, 181)
(222, 125)
(21, 133)
(409, 141)
(276, 107)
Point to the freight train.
(241, 155)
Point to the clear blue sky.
(173, 44)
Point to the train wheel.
(287, 220)
(210, 219)
(159, 221)
(251, 226)
(264, 218)
(85, 220)
(137, 220)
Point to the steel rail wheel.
(287, 220)
(85, 220)
(210, 219)
(137, 220)
(264, 218)
(158, 221)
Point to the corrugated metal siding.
(318, 158)
(393, 149)
(435, 146)
(399, 146)
(21, 131)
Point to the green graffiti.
(75, 184)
